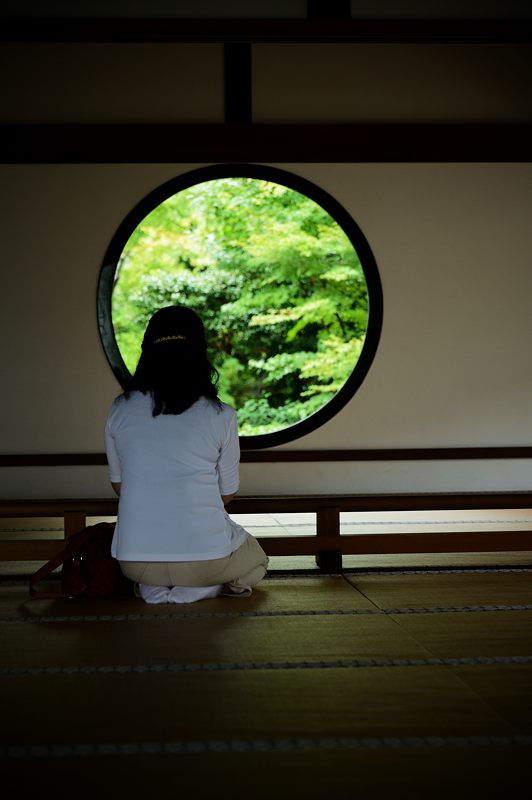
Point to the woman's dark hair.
(174, 367)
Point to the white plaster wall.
(452, 243)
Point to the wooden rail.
(328, 544)
(276, 455)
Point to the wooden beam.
(453, 542)
(424, 501)
(361, 544)
(328, 539)
(388, 544)
(327, 523)
(237, 84)
(121, 30)
(335, 143)
(383, 544)
(52, 459)
(74, 521)
(386, 454)
(299, 456)
(296, 545)
(104, 507)
(329, 9)
(29, 550)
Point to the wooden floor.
(373, 683)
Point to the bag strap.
(74, 544)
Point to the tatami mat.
(313, 687)
(256, 704)
(194, 640)
(275, 594)
(506, 688)
(471, 633)
(444, 590)
(402, 773)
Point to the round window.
(281, 275)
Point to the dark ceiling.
(268, 9)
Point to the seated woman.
(173, 454)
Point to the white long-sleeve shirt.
(173, 470)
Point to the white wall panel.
(452, 243)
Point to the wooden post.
(328, 524)
(74, 521)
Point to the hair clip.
(168, 338)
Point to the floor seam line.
(342, 663)
(63, 750)
(204, 615)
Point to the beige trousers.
(243, 568)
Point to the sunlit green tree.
(276, 281)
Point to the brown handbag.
(88, 568)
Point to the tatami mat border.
(357, 663)
(256, 745)
(437, 571)
(275, 574)
(349, 612)
(304, 574)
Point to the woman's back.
(174, 468)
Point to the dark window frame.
(298, 184)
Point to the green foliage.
(276, 281)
